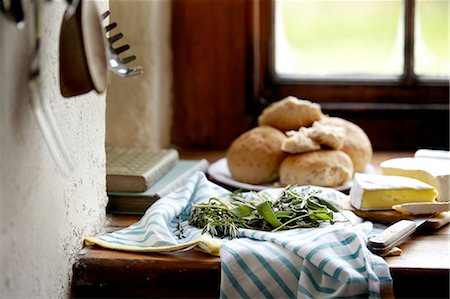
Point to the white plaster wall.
(43, 215)
(139, 108)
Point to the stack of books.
(136, 178)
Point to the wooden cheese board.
(391, 216)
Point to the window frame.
(407, 89)
(222, 81)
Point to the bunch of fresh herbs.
(290, 210)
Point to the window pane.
(338, 38)
(431, 38)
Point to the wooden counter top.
(422, 271)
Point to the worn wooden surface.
(422, 271)
(107, 273)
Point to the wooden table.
(422, 271)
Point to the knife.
(395, 234)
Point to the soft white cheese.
(435, 172)
(381, 192)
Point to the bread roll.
(356, 143)
(256, 155)
(290, 114)
(327, 168)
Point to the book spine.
(117, 183)
(132, 205)
(163, 166)
(202, 165)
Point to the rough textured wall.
(43, 215)
(138, 109)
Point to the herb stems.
(290, 210)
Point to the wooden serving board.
(391, 216)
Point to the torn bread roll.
(330, 136)
(299, 142)
(314, 138)
(327, 168)
(356, 143)
(290, 114)
(255, 156)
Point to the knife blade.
(395, 234)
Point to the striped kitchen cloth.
(164, 226)
(328, 261)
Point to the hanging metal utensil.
(82, 50)
(13, 10)
(42, 110)
(115, 63)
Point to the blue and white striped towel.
(328, 261)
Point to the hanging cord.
(41, 108)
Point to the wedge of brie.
(381, 192)
(435, 172)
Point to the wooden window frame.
(407, 88)
(223, 78)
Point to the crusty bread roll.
(327, 168)
(356, 143)
(256, 155)
(290, 114)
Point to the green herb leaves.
(265, 210)
(290, 210)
